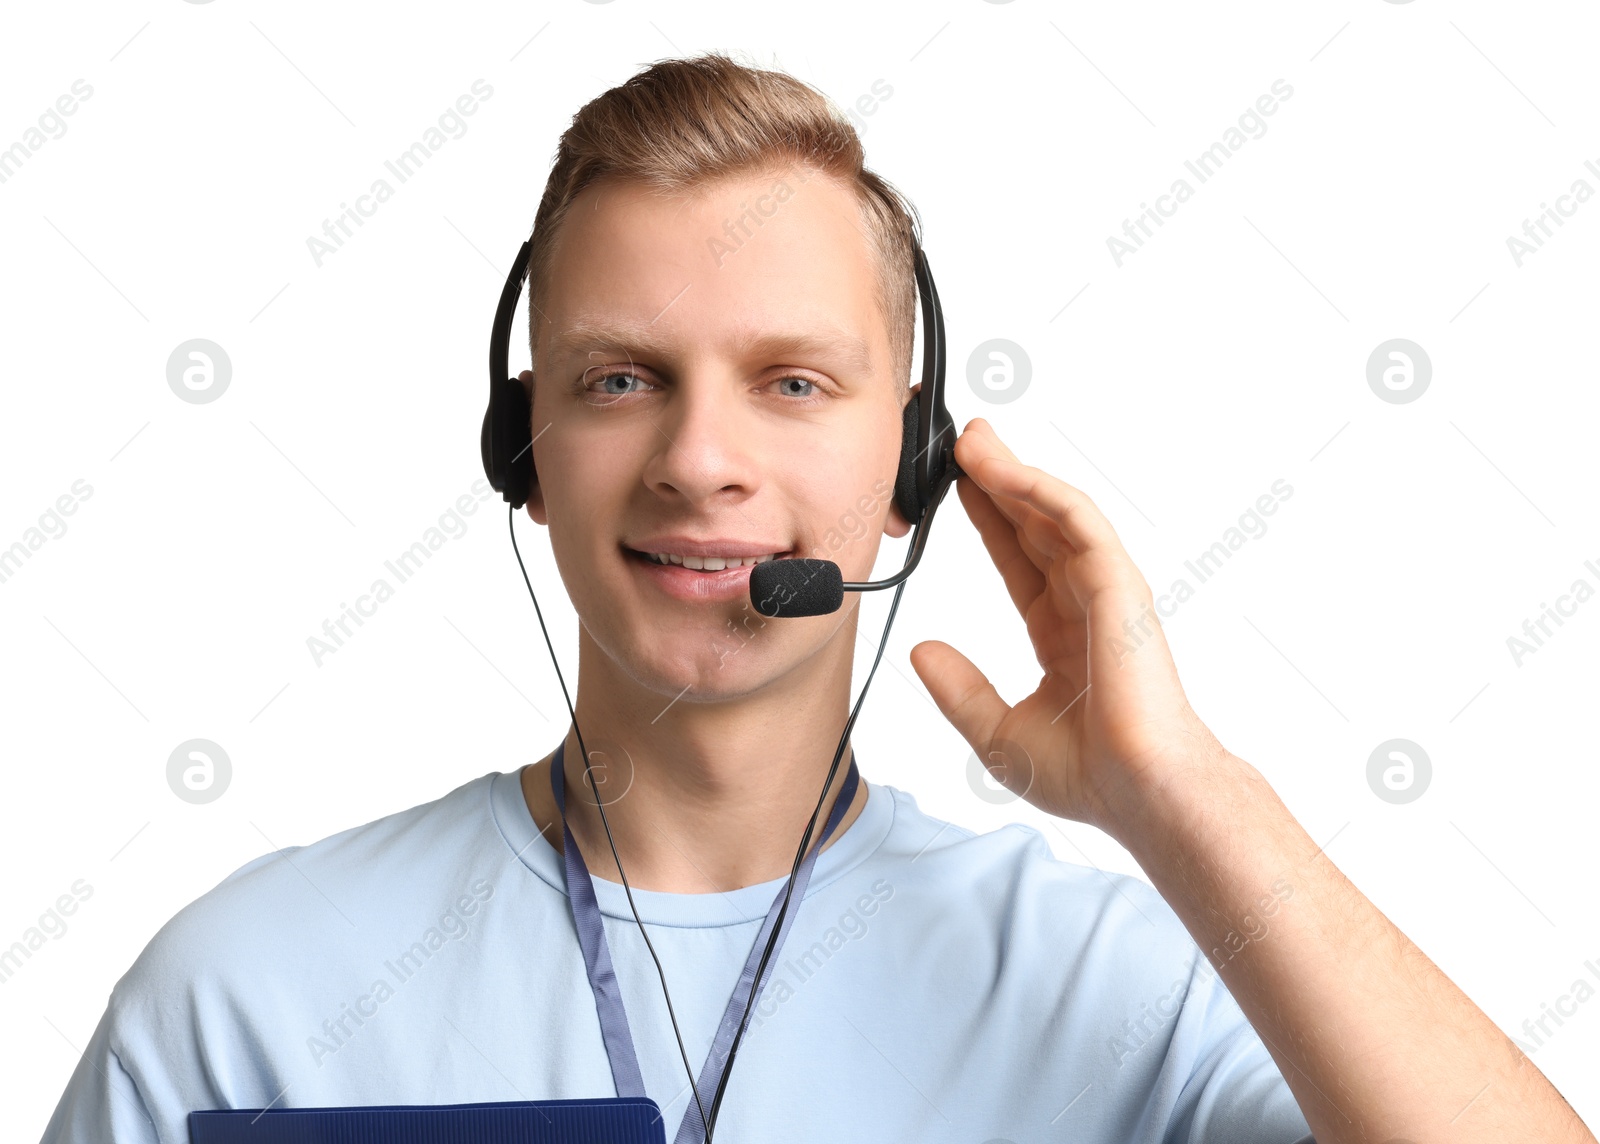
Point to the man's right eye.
(611, 384)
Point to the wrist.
(1170, 797)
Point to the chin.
(714, 665)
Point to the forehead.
(763, 259)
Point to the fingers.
(967, 699)
(1083, 525)
(979, 426)
(1021, 570)
(1064, 533)
(1035, 532)
(977, 442)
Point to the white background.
(1175, 389)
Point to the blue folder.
(614, 1120)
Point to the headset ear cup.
(522, 470)
(905, 485)
(506, 443)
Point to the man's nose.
(706, 444)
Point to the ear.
(535, 505)
(895, 524)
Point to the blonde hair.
(681, 122)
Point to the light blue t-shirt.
(936, 986)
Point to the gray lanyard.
(603, 979)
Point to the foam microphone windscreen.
(797, 587)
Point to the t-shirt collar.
(656, 907)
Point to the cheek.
(588, 472)
(849, 524)
(583, 499)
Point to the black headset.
(927, 442)
(927, 469)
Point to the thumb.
(962, 692)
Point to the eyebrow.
(831, 344)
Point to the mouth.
(703, 564)
(700, 580)
(703, 570)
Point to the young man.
(722, 324)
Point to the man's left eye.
(797, 381)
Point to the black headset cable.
(600, 803)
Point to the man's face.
(714, 368)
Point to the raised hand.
(1109, 718)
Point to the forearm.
(1373, 1039)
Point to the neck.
(700, 796)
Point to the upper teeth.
(710, 563)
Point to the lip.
(687, 584)
(711, 546)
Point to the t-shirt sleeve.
(101, 1103)
(1235, 1093)
(147, 1064)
